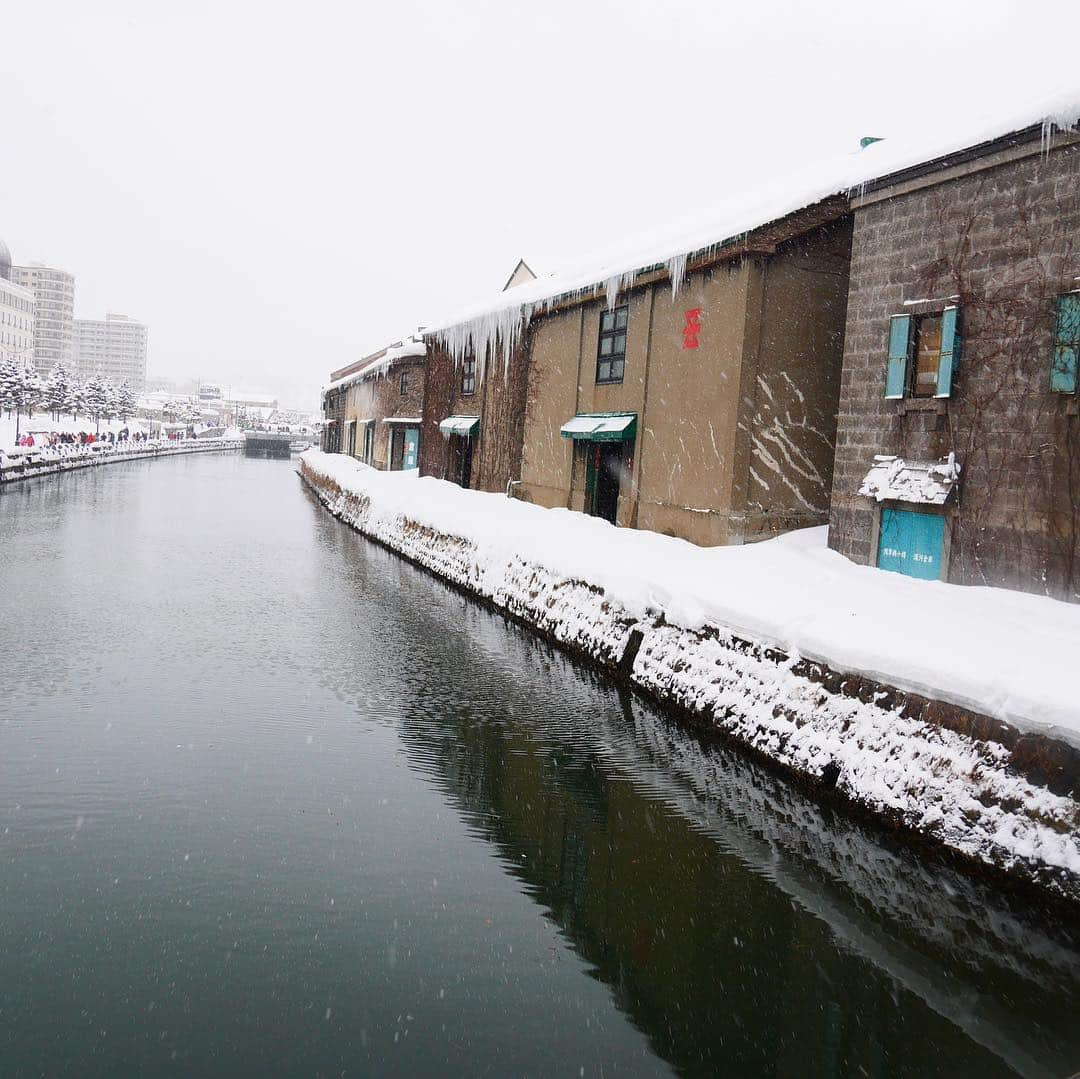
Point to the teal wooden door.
(911, 543)
(412, 444)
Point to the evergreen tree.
(112, 401)
(76, 399)
(10, 383)
(96, 399)
(20, 388)
(58, 390)
(127, 401)
(31, 391)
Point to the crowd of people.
(89, 438)
(83, 438)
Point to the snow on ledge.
(928, 483)
(1007, 654)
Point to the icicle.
(483, 336)
(614, 285)
(676, 268)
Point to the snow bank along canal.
(273, 801)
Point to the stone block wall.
(1003, 242)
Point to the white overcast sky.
(279, 189)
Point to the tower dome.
(5, 261)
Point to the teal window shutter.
(950, 350)
(899, 350)
(1066, 344)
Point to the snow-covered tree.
(20, 388)
(190, 413)
(32, 390)
(76, 399)
(127, 401)
(58, 390)
(112, 401)
(96, 398)
(170, 409)
(10, 383)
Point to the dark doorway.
(605, 463)
(461, 454)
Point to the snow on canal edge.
(703, 620)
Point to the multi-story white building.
(16, 314)
(54, 312)
(115, 346)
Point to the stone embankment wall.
(961, 783)
(13, 469)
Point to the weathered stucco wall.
(735, 436)
(791, 394)
(688, 438)
(1005, 241)
(551, 399)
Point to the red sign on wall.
(691, 328)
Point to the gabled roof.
(520, 274)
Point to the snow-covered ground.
(43, 422)
(703, 619)
(1006, 654)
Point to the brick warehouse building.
(958, 446)
(462, 399)
(373, 407)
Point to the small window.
(403, 383)
(1063, 371)
(927, 356)
(923, 354)
(611, 345)
(468, 376)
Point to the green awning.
(460, 425)
(602, 427)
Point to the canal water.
(274, 802)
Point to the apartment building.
(116, 346)
(54, 312)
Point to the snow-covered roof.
(410, 346)
(925, 482)
(499, 321)
(401, 419)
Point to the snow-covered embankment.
(44, 461)
(791, 651)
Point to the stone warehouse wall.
(379, 396)
(1004, 240)
(923, 768)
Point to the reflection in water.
(742, 926)
(272, 801)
